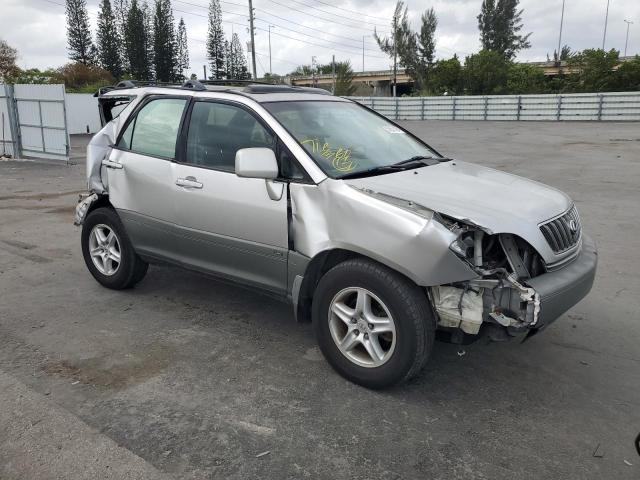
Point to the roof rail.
(231, 81)
(194, 85)
(270, 88)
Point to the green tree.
(344, 79)
(136, 42)
(34, 76)
(149, 36)
(523, 78)
(121, 12)
(628, 75)
(302, 71)
(182, 50)
(215, 40)
(486, 73)
(414, 51)
(108, 40)
(81, 78)
(565, 54)
(79, 41)
(427, 46)
(593, 70)
(446, 77)
(236, 61)
(165, 57)
(8, 58)
(400, 41)
(500, 24)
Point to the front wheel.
(374, 326)
(108, 252)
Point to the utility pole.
(606, 19)
(560, 36)
(363, 53)
(204, 68)
(313, 72)
(395, 63)
(270, 70)
(333, 74)
(626, 42)
(253, 42)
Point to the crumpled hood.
(495, 200)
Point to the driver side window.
(218, 130)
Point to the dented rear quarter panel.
(333, 215)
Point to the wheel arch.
(102, 201)
(320, 264)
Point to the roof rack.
(250, 86)
(270, 88)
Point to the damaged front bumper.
(518, 305)
(562, 289)
(84, 203)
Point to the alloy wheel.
(104, 248)
(362, 327)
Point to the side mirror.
(256, 163)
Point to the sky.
(302, 29)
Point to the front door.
(141, 176)
(229, 224)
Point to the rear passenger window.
(218, 130)
(154, 131)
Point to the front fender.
(333, 215)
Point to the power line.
(321, 46)
(292, 38)
(351, 39)
(315, 37)
(350, 11)
(341, 17)
(289, 7)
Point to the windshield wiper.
(425, 160)
(413, 162)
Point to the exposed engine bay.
(500, 297)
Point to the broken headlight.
(468, 243)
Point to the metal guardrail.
(615, 106)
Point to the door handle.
(189, 182)
(112, 164)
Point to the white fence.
(34, 121)
(82, 113)
(624, 106)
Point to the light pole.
(270, 70)
(606, 19)
(252, 32)
(626, 42)
(560, 36)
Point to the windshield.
(344, 138)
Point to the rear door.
(141, 174)
(229, 224)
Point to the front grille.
(563, 233)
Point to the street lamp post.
(626, 42)
(270, 70)
(560, 36)
(606, 19)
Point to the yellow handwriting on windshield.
(340, 157)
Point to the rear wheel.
(374, 326)
(108, 252)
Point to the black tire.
(131, 268)
(408, 305)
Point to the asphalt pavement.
(187, 377)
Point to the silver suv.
(369, 232)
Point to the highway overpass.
(378, 82)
